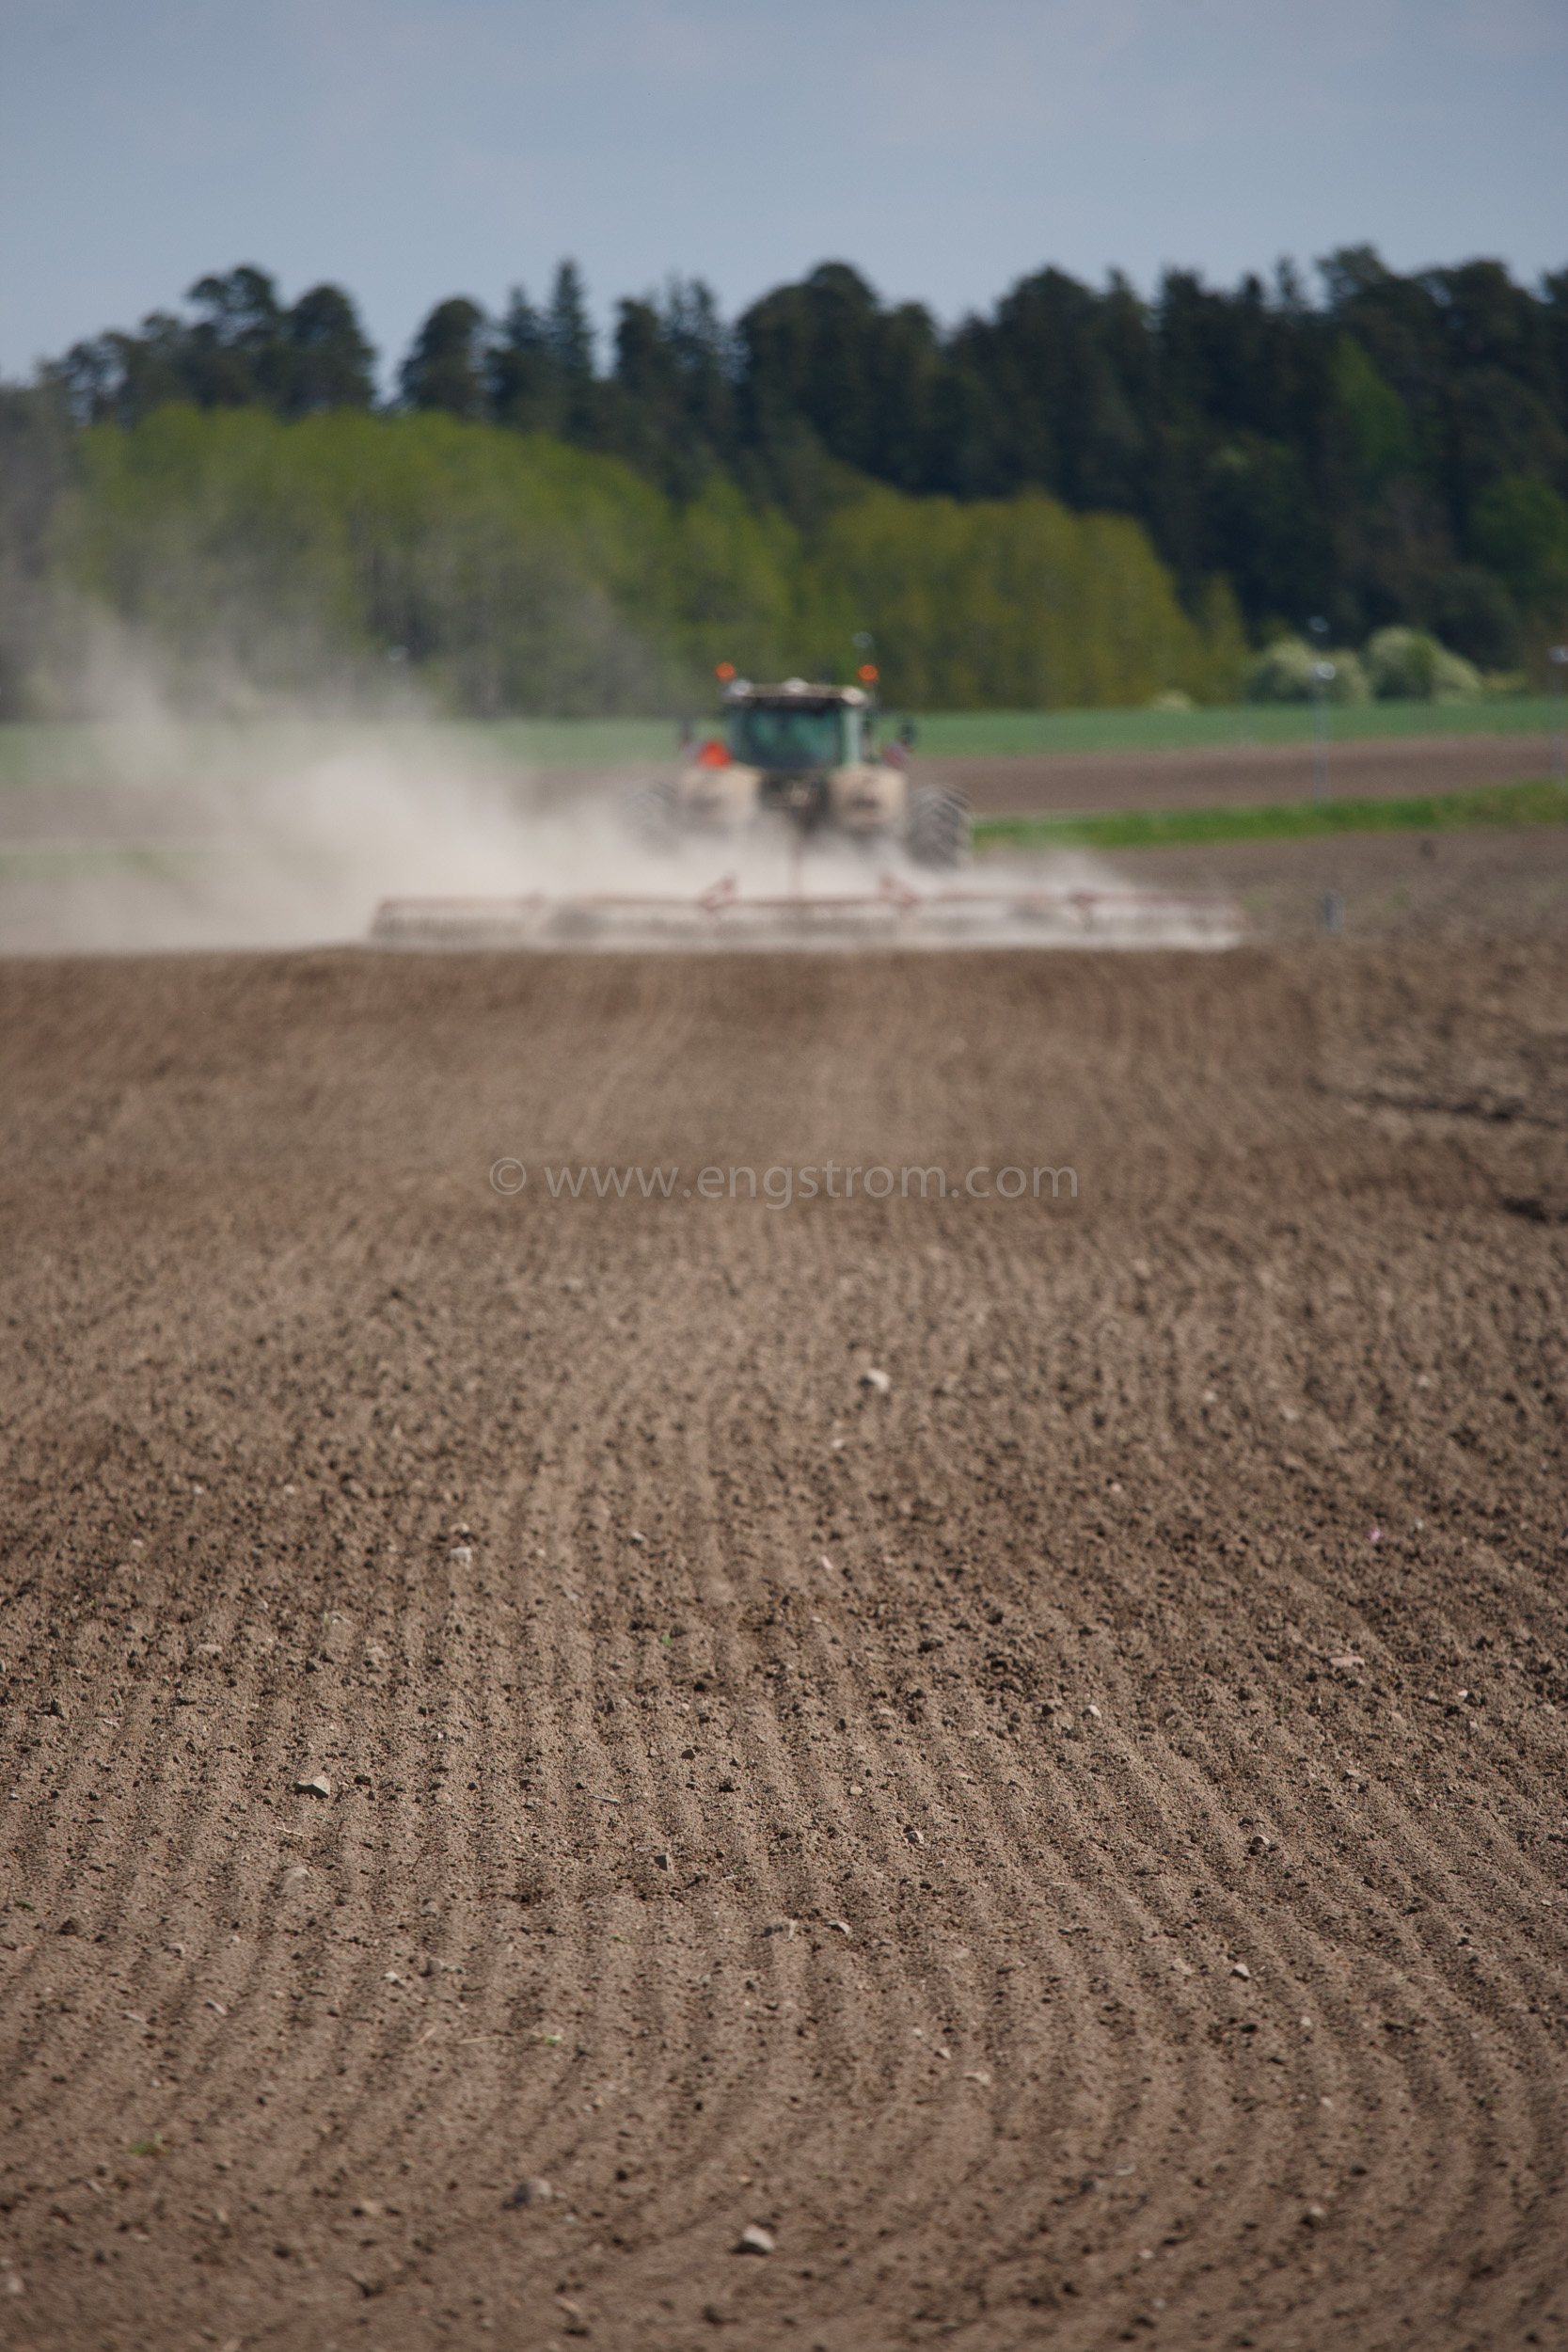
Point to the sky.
(410, 150)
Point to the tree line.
(241, 553)
(1396, 452)
(1392, 451)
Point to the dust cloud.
(151, 832)
(155, 833)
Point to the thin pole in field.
(1558, 657)
(1322, 678)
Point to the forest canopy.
(1084, 495)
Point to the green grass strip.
(1536, 802)
(51, 861)
(80, 754)
(970, 734)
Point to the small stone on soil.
(313, 1784)
(754, 2240)
(872, 1378)
(534, 2192)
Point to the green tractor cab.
(808, 752)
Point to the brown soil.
(1455, 886)
(1245, 773)
(1072, 1845)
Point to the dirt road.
(1212, 775)
(1069, 1844)
(1246, 774)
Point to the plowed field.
(1067, 1839)
(1246, 774)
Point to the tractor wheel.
(936, 832)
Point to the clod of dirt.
(313, 1784)
(872, 1378)
(69, 1926)
(531, 2192)
(663, 1862)
(842, 1925)
(754, 2240)
(54, 1707)
(914, 1835)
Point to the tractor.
(808, 755)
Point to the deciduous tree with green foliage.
(519, 573)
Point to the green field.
(67, 754)
(1505, 804)
(72, 755)
(976, 734)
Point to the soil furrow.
(755, 1795)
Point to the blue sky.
(410, 150)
